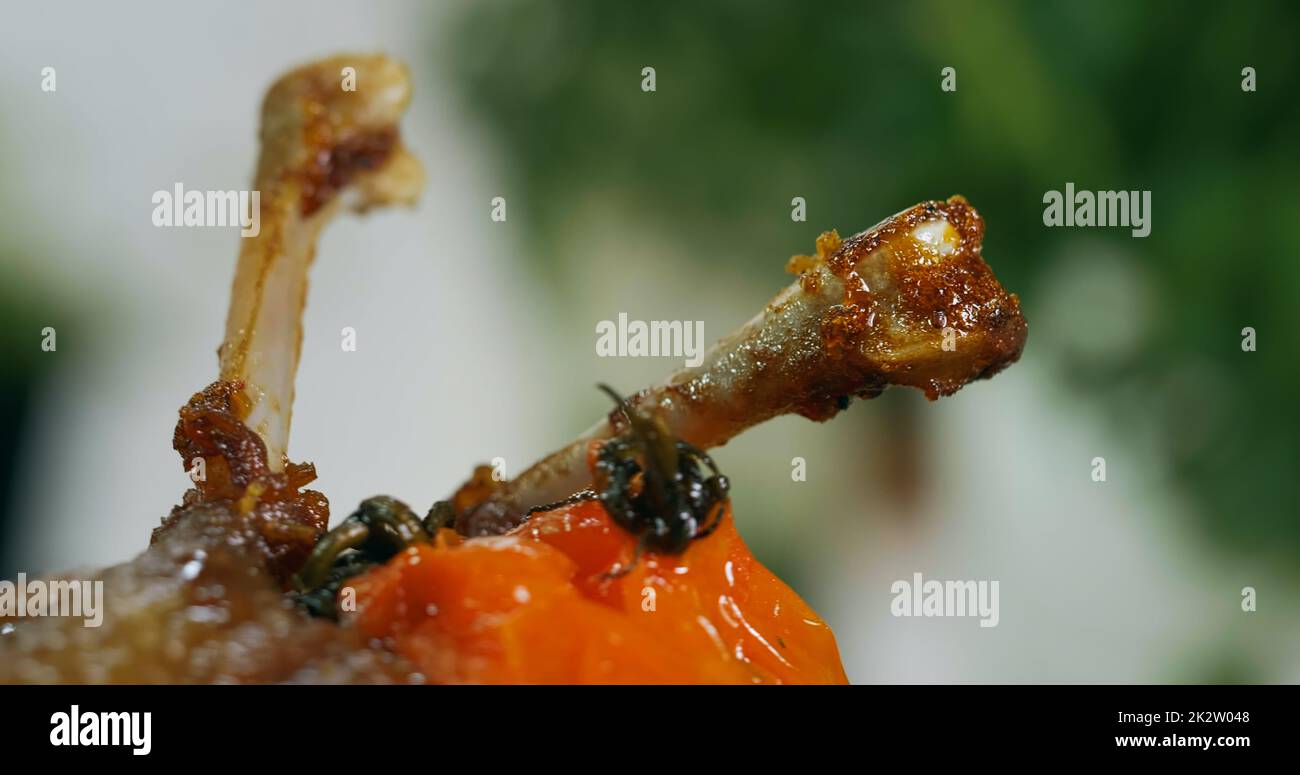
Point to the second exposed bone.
(908, 302)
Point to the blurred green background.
(840, 103)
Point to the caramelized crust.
(287, 519)
(918, 289)
(199, 606)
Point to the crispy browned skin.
(323, 149)
(909, 301)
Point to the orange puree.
(536, 606)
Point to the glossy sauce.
(535, 606)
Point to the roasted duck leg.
(204, 603)
(909, 302)
(324, 149)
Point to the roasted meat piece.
(907, 302)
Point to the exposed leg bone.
(323, 149)
(908, 302)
